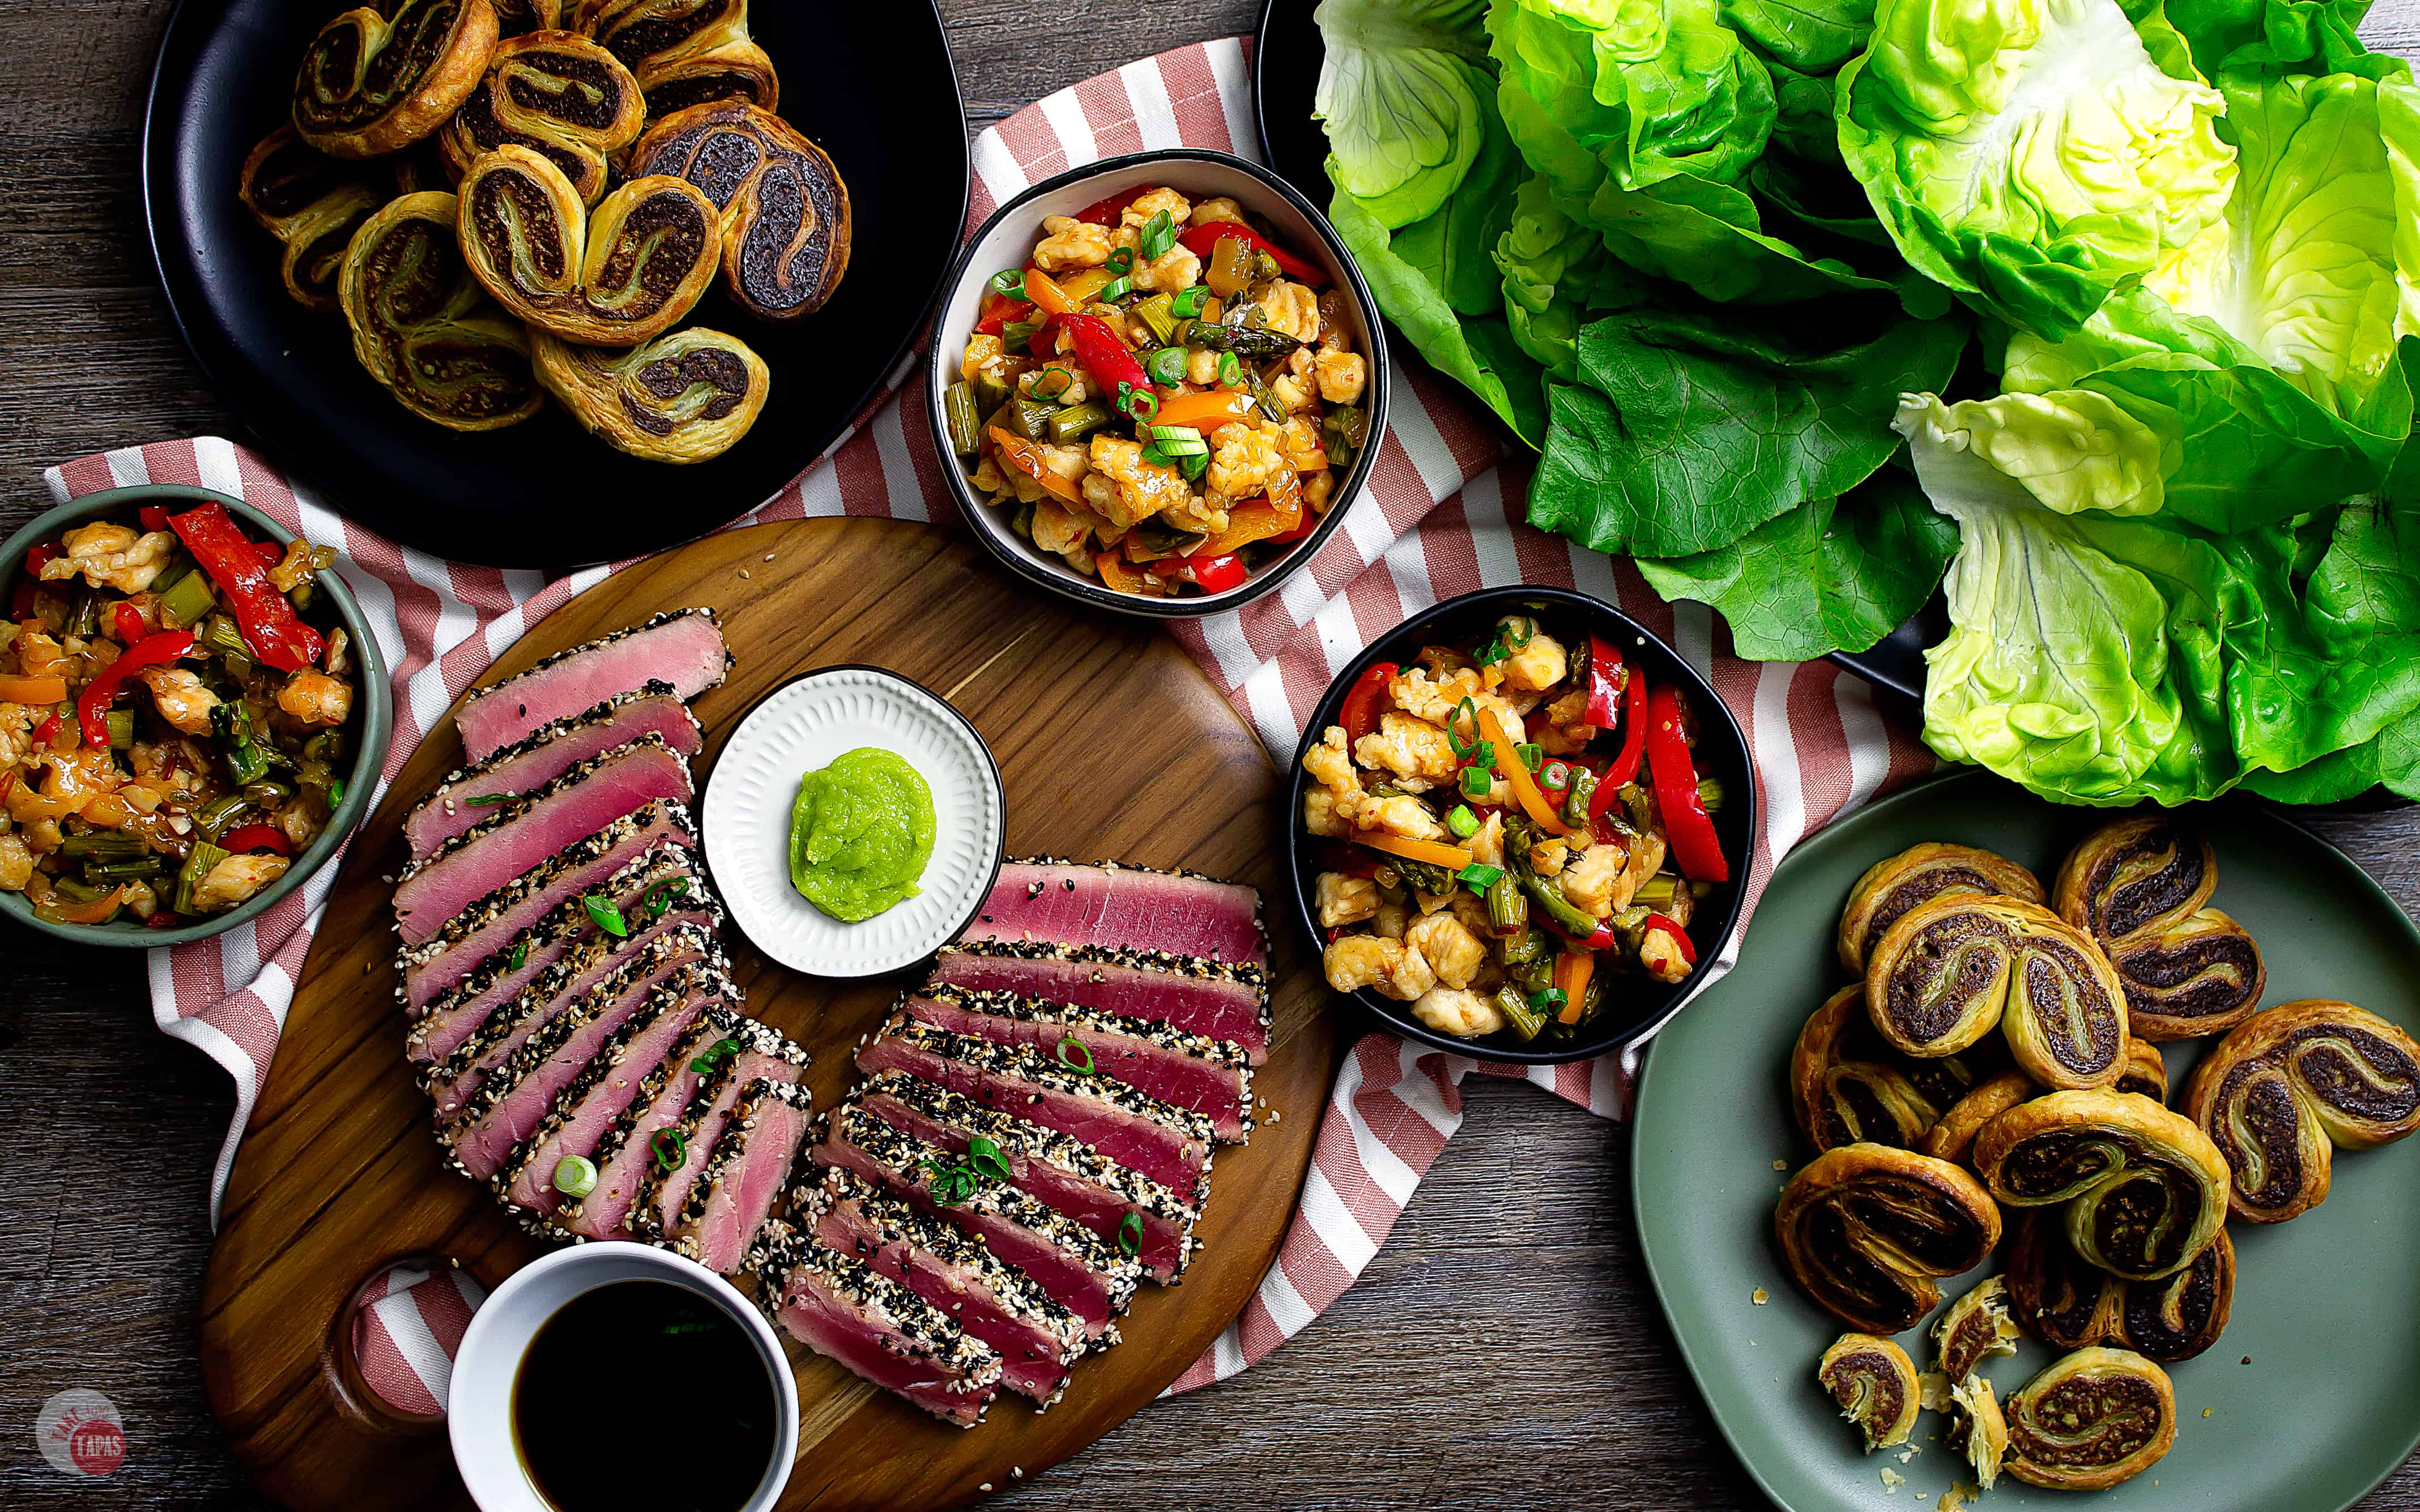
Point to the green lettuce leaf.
(1831, 575)
(2279, 36)
(1400, 93)
(1691, 424)
(2033, 155)
(1810, 37)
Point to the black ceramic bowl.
(1007, 239)
(1641, 1004)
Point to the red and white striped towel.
(1441, 517)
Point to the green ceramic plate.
(2330, 1402)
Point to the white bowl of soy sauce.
(554, 1359)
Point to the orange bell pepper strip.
(1026, 457)
(34, 690)
(1525, 787)
(1123, 579)
(1453, 858)
(1572, 969)
(1047, 296)
(1206, 411)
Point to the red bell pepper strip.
(131, 627)
(1110, 210)
(1686, 827)
(1204, 240)
(1300, 529)
(1358, 713)
(1623, 769)
(97, 695)
(276, 633)
(1607, 676)
(1114, 370)
(256, 838)
(161, 919)
(154, 516)
(1214, 574)
(45, 731)
(1680, 936)
(1001, 311)
(270, 552)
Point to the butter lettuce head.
(2033, 155)
(1400, 93)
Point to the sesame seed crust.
(624, 634)
(505, 813)
(1199, 967)
(1022, 1063)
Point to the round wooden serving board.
(1112, 745)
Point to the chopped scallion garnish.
(1114, 290)
(1475, 782)
(1158, 234)
(1166, 366)
(1462, 822)
(985, 1157)
(1121, 262)
(1051, 382)
(575, 1175)
(519, 956)
(1194, 464)
(488, 800)
(602, 914)
(1130, 1234)
(1478, 875)
(670, 1148)
(1075, 1055)
(1186, 303)
(1011, 282)
(714, 1055)
(1230, 372)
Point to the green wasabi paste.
(860, 834)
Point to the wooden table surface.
(1503, 1349)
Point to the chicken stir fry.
(1163, 398)
(1512, 829)
(171, 726)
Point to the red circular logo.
(97, 1447)
(80, 1433)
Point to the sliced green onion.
(1075, 1055)
(602, 914)
(1230, 372)
(1520, 633)
(575, 1175)
(337, 792)
(985, 1157)
(1479, 876)
(1187, 303)
(1146, 404)
(1530, 754)
(1553, 997)
(1130, 1234)
(1114, 290)
(1175, 433)
(1462, 822)
(1194, 464)
(1476, 783)
(1709, 794)
(714, 1055)
(1555, 775)
(488, 800)
(1158, 234)
(1051, 382)
(518, 956)
(1464, 746)
(1152, 457)
(663, 896)
(1011, 282)
(671, 1147)
(1121, 262)
(1166, 366)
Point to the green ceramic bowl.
(2312, 1395)
(373, 719)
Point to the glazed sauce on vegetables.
(605, 1351)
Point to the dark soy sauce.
(642, 1394)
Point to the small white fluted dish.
(799, 728)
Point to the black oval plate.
(873, 86)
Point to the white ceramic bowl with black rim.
(1721, 751)
(1007, 239)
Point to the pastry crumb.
(2205, 1411)
(1781, 1165)
(1892, 1480)
(1760, 1296)
(1957, 1497)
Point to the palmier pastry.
(515, 18)
(1919, 874)
(2141, 888)
(1874, 1382)
(2095, 1419)
(2142, 1071)
(624, 273)
(1843, 1084)
(2064, 1300)
(558, 94)
(1954, 968)
(785, 212)
(1953, 1134)
(684, 48)
(684, 397)
(2288, 1085)
(1979, 1431)
(312, 204)
(422, 327)
(2144, 1190)
(1975, 1328)
(1866, 1231)
(736, 70)
(370, 84)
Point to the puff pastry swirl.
(558, 94)
(2064, 1300)
(684, 397)
(684, 52)
(2095, 1419)
(1874, 1382)
(312, 204)
(2144, 1191)
(2286, 1088)
(371, 84)
(1918, 874)
(2142, 887)
(1866, 1232)
(1845, 1084)
(786, 222)
(623, 274)
(422, 327)
(1953, 968)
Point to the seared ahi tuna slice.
(600, 1092)
(1169, 1144)
(487, 1042)
(1069, 903)
(476, 950)
(682, 1147)
(1218, 999)
(471, 794)
(523, 833)
(1062, 1256)
(735, 1191)
(625, 1150)
(837, 1306)
(683, 648)
(1038, 1337)
(1125, 1207)
(1212, 1077)
(509, 1103)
